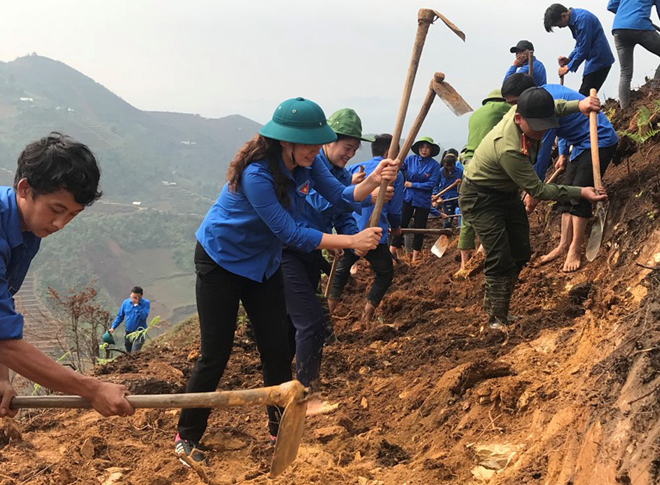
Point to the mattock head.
(291, 428)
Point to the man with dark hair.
(521, 63)
(489, 197)
(590, 45)
(632, 26)
(135, 310)
(56, 179)
(514, 85)
(379, 258)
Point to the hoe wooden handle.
(593, 137)
(292, 391)
(425, 18)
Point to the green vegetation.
(646, 126)
(171, 162)
(94, 247)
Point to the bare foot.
(552, 255)
(573, 261)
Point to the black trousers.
(380, 260)
(218, 294)
(580, 172)
(500, 221)
(419, 222)
(302, 273)
(594, 80)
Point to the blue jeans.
(625, 41)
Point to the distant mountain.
(160, 174)
(137, 149)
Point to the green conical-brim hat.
(494, 95)
(299, 120)
(346, 122)
(435, 149)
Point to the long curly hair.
(260, 148)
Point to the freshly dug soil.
(571, 396)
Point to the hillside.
(173, 164)
(570, 398)
(38, 94)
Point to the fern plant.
(644, 121)
(141, 333)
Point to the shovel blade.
(288, 437)
(597, 230)
(440, 246)
(452, 99)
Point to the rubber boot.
(497, 299)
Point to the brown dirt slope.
(571, 397)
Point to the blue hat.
(299, 120)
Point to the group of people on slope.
(428, 185)
(288, 196)
(632, 26)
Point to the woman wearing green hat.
(239, 249)
(421, 173)
(302, 270)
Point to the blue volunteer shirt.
(390, 215)
(321, 214)
(424, 174)
(538, 71)
(244, 230)
(446, 179)
(573, 131)
(590, 42)
(17, 249)
(633, 14)
(134, 315)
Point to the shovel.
(440, 246)
(442, 243)
(596, 237)
(291, 395)
(425, 17)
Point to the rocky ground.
(423, 397)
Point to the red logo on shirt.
(304, 188)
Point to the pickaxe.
(425, 17)
(291, 395)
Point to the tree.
(83, 320)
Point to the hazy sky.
(216, 57)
